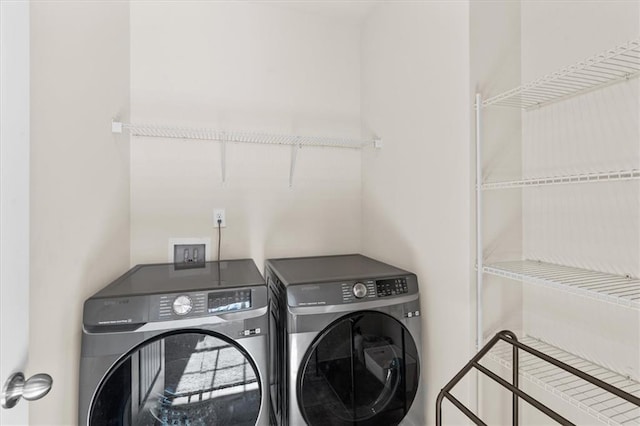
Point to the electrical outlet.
(218, 214)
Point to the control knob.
(182, 305)
(359, 290)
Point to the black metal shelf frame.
(510, 338)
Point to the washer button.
(182, 305)
(359, 290)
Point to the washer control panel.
(228, 301)
(391, 287)
(181, 305)
(360, 290)
(187, 305)
(134, 311)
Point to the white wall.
(416, 204)
(79, 182)
(244, 66)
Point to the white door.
(14, 198)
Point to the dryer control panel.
(371, 289)
(391, 287)
(352, 291)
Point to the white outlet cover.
(222, 213)
(175, 241)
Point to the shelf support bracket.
(116, 126)
(292, 168)
(223, 158)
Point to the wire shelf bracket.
(619, 64)
(616, 289)
(295, 141)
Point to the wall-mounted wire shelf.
(173, 132)
(602, 405)
(616, 289)
(612, 66)
(621, 175)
(295, 141)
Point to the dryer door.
(182, 378)
(361, 370)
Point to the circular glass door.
(361, 370)
(185, 378)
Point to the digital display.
(228, 301)
(391, 287)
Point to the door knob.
(17, 387)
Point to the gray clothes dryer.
(345, 342)
(164, 345)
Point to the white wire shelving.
(224, 137)
(611, 176)
(173, 132)
(612, 66)
(616, 289)
(600, 404)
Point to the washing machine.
(345, 342)
(167, 344)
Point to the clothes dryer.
(164, 345)
(348, 331)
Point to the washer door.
(361, 370)
(182, 378)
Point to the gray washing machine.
(345, 342)
(164, 345)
